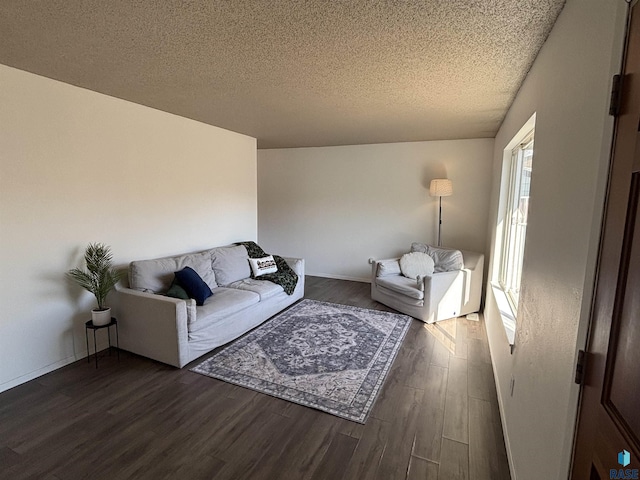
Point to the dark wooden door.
(609, 415)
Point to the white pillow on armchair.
(416, 265)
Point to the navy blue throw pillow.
(194, 285)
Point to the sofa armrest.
(296, 264)
(474, 281)
(375, 265)
(472, 260)
(383, 260)
(154, 326)
(444, 292)
(439, 282)
(457, 292)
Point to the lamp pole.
(440, 187)
(440, 223)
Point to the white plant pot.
(101, 317)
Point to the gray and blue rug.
(330, 357)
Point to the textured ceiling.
(292, 73)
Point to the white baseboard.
(47, 369)
(339, 277)
(503, 420)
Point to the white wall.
(568, 89)
(79, 167)
(339, 206)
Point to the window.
(515, 218)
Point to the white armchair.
(436, 297)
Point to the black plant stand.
(90, 326)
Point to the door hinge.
(616, 95)
(581, 366)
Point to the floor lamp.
(440, 187)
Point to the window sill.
(507, 314)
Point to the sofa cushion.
(419, 247)
(223, 302)
(445, 259)
(230, 264)
(264, 288)
(395, 299)
(176, 291)
(262, 266)
(195, 287)
(416, 264)
(156, 276)
(403, 285)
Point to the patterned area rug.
(321, 355)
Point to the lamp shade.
(441, 187)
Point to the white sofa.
(176, 331)
(435, 297)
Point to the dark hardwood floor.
(436, 417)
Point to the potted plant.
(99, 278)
